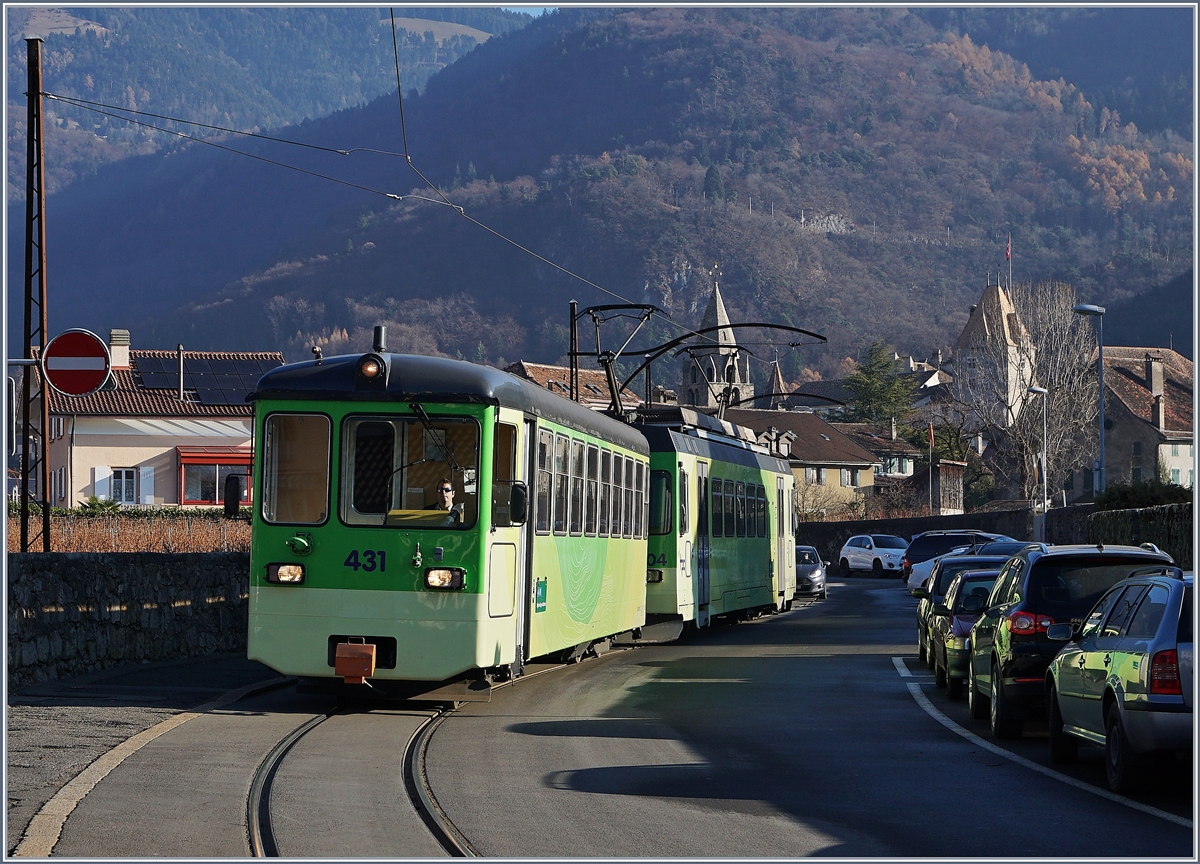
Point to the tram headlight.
(285, 574)
(370, 367)
(445, 578)
(654, 576)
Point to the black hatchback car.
(1036, 589)
(934, 543)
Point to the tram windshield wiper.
(419, 410)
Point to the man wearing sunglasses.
(445, 501)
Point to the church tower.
(715, 360)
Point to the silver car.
(810, 573)
(1124, 680)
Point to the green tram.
(720, 520)
(362, 568)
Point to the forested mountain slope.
(854, 172)
(245, 68)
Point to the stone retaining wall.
(70, 613)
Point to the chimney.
(1160, 412)
(893, 428)
(1154, 375)
(118, 348)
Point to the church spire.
(715, 314)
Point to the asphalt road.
(790, 735)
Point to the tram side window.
(660, 502)
(296, 469)
(639, 499)
(618, 495)
(627, 524)
(589, 510)
(718, 507)
(504, 474)
(576, 487)
(741, 504)
(762, 511)
(731, 510)
(683, 502)
(545, 475)
(562, 479)
(605, 492)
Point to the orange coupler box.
(354, 661)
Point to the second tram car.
(720, 519)
(537, 547)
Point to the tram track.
(260, 831)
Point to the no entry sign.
(76, 362)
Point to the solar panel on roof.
(229, 382)
(198, 365)
(212, 397)
(222, 367)
(149, 364)
(160, 381)
(247, 367)
(266, 366)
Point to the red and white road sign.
(76, 362)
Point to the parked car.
(921, 571)
(950, 627)
(810, 573)
(1123, 680)
(934, 543)
(934, 590)
(879, 553)
(1010, 651)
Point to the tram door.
(786, 574)
(703, 552)
(508, 552)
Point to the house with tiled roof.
(166, 431)
(1148, 404)
(831, 470)
(896, 458)
(593, 385)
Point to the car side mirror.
(1060, 632)
(921, 592)
(941, 610)
(973, 603)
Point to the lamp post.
(1045, 488)
(1098, 313)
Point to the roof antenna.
(316, 350)
(380, 341)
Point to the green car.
(950, 627)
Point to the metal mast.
(33, 388)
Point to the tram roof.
(414, 378)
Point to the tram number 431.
(369, 560)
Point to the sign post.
(76, 362)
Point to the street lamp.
(1098, 313)
(1045, 491)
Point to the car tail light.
(1164, 674)
(904, 563)
(1028, 623)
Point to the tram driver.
(445, 501)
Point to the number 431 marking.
(369, 560)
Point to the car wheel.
(877, 569)
(920, 646)
(976, 705)
(1064, 749)
(939, 672)
(824, 592)
(954, 687)
(1006, 719)
(845, 569)
(1119, 761)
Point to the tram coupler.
(354, 661)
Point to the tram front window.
(393, 470)
(295, 469)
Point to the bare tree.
(1032, 339)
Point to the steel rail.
(258, 802)
(416, 782)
